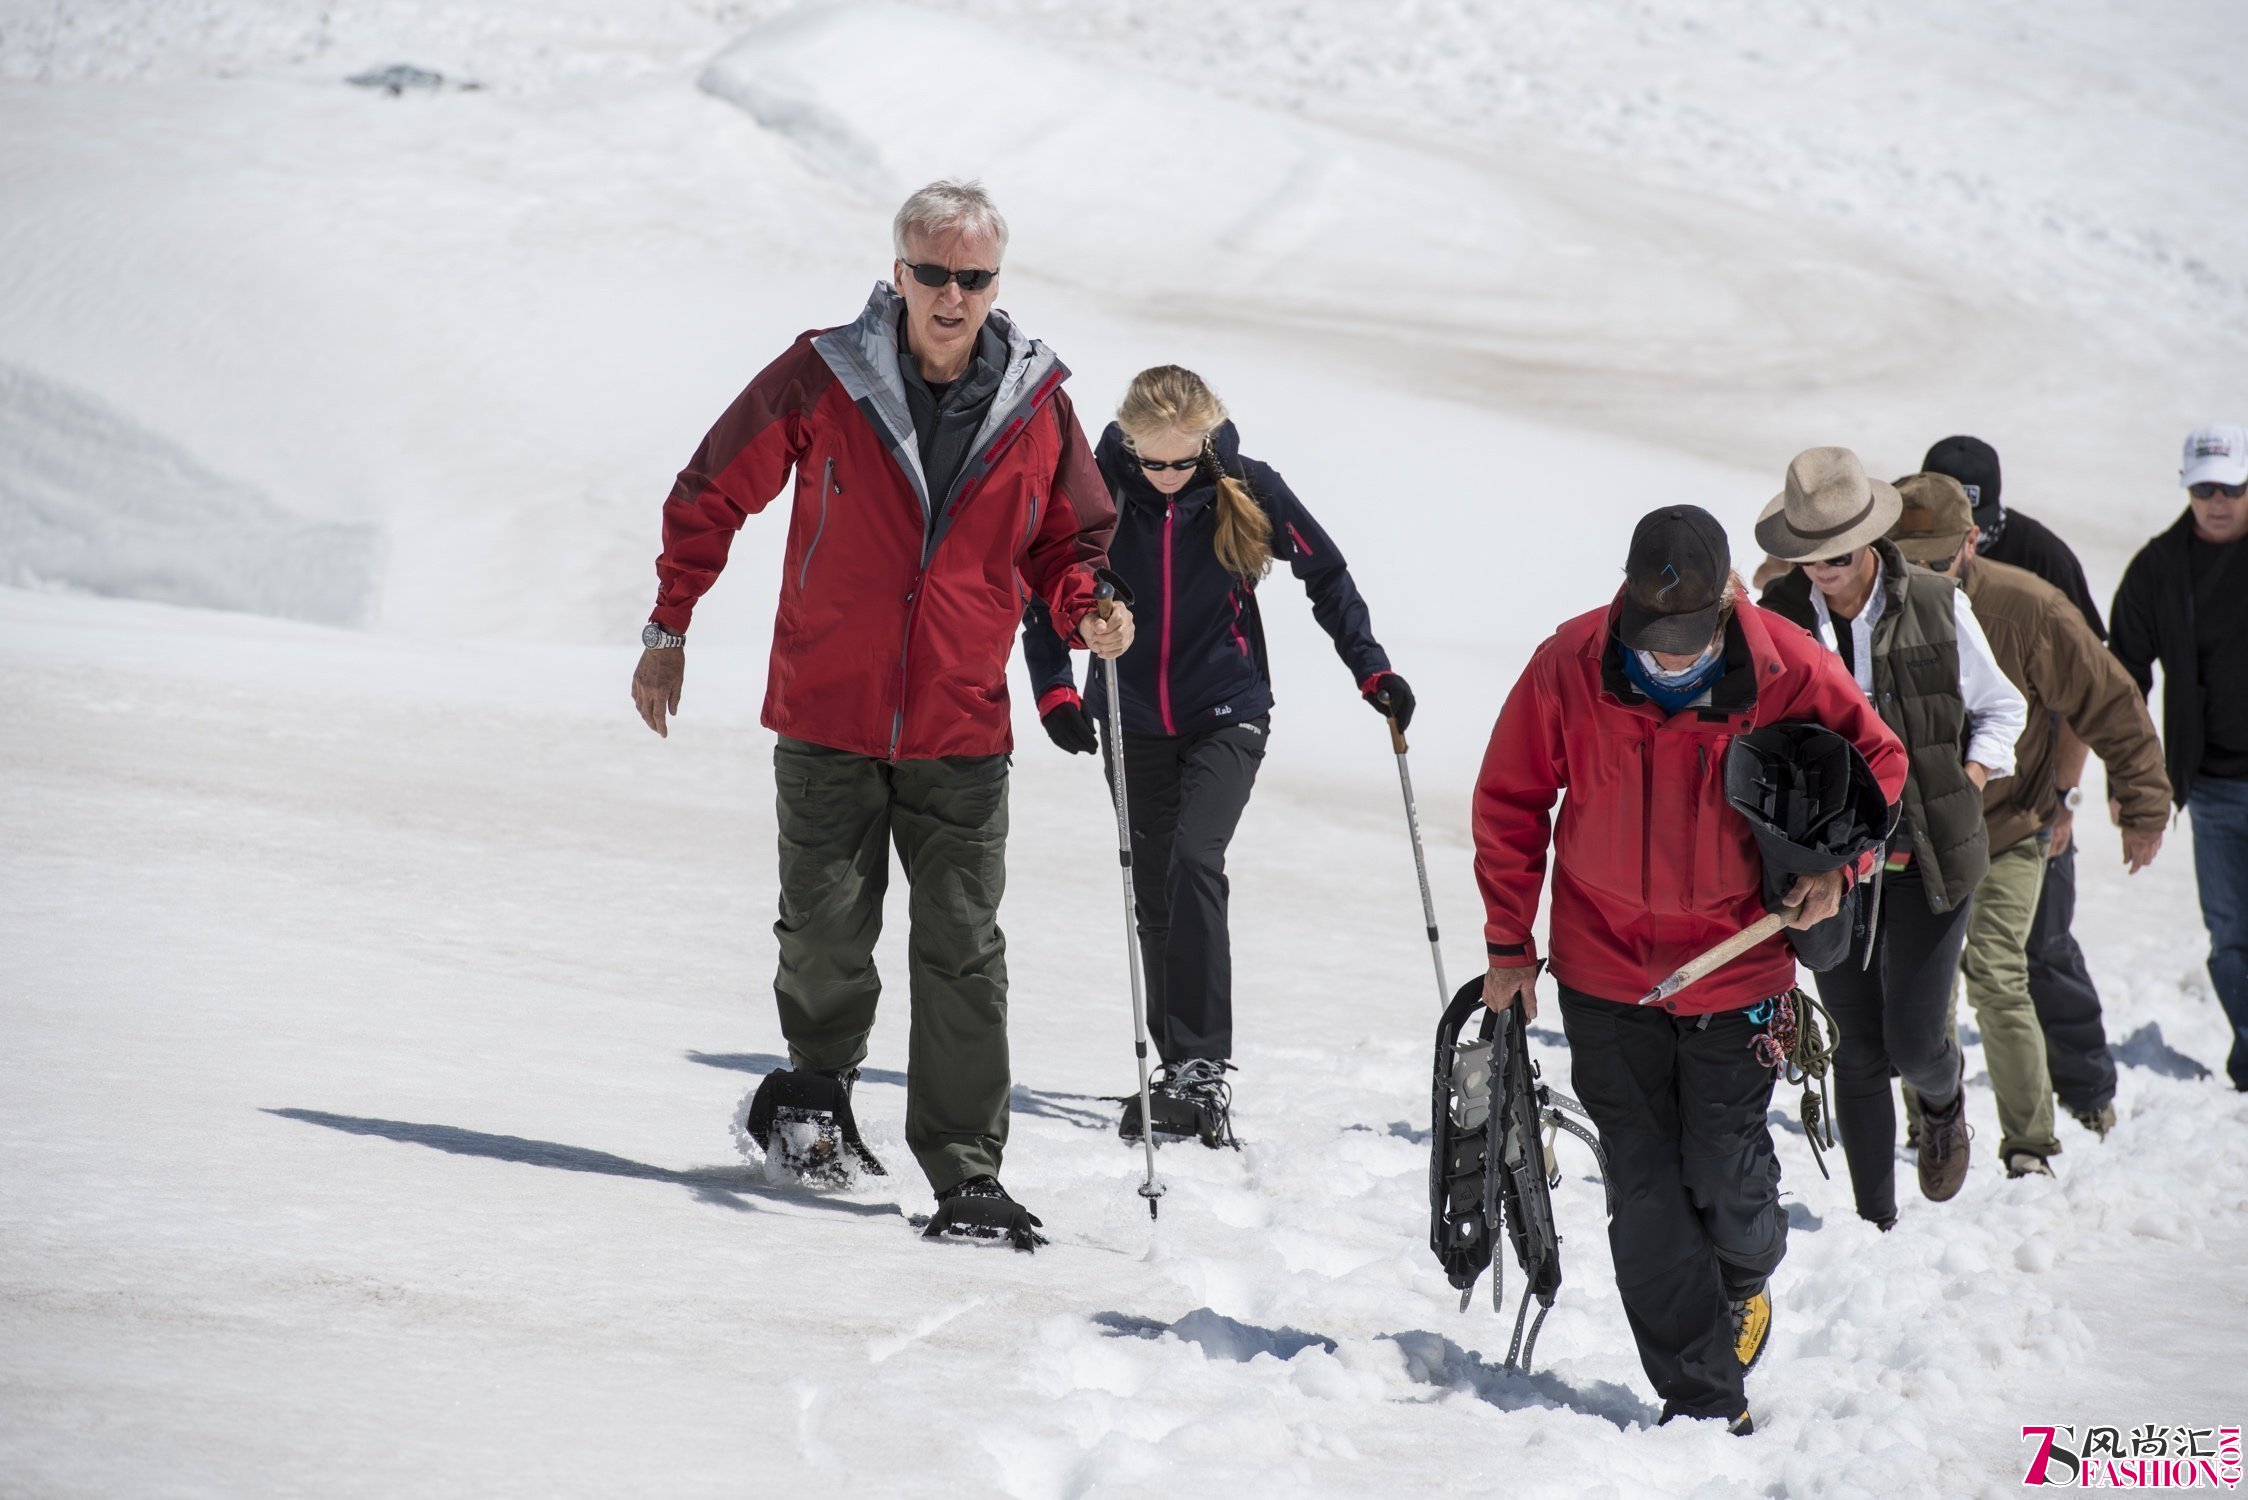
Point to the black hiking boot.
(803, 1123)
(1190, 1101)
(979, 1209)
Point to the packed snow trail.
(373, 1006)
(375, 1018)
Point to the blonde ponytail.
(1169, 399)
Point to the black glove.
(1067, 726)
(1391, 697)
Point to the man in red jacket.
(938, 467)
(1629, 709)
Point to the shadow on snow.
(725, 1186)
(1068, 1108)
(1218, 1336)
(1430, 1359)
(2146, 1049)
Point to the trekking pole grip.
(1396, 735)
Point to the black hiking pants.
(1895, 1020)
(1187, 793)
(1680, 1102)
(2068, 1007)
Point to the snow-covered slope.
(372, 1001)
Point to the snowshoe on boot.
(803, 1123)
(979, 1209)
(1190, 1101)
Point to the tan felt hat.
(1828, 508)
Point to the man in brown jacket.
(2049, 653)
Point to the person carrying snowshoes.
(936, 459)
(1199, 525)
(1629, 710)
(1910, 639)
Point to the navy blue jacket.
(1197, 660)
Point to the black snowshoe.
(803, 1123)
(1490, 1164)
(979, 1209)
(1189, 1101)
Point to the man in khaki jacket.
(2049, 653)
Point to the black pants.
(1680, 1103)
(1895, 1020)
(2068, 1007)
(1187, 793)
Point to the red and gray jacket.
(897, 607)
(1651, 865)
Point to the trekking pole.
(1721, 955)
(1150, 1189)
(1420, 861)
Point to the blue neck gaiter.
(1669, 691)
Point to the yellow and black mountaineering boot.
(1752, 1327)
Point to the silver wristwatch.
(2073, 798)
(656, 638)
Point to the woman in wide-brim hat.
(1907, 635)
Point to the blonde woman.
(1199, 525)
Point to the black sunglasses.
(1843, 561)
(2209, 489)
(1941, 564)
(1176, 465)
(970, 280)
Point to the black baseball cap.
(1674, 580)
(1974, 463)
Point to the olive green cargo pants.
(839, 815)
(1995, 966)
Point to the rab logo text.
(2151, 1457)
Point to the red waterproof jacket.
(898, 608)
(1651, 865)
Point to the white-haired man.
(938, 466)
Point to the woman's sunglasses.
(970, 280)
(1176, 465)
(2209, 489)
(1843, 561)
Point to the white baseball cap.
(2215, 452)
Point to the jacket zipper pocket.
(827, 483)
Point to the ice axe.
(1105, 594)
(1420, 860)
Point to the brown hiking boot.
(1943, 1150)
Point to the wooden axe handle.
(1721, 955)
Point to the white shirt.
(1996, 712)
